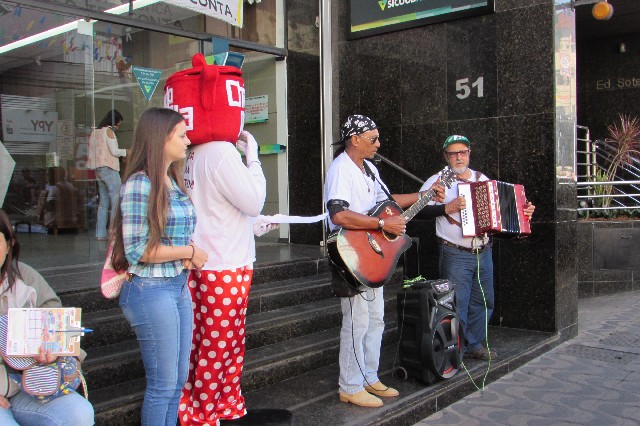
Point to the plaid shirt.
(181, 221)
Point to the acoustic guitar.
(366, 258)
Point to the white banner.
(229, 11)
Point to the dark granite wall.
(303, 98)
(406, 81)
(608, 82)
(594, 282)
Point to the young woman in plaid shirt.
(152, 239)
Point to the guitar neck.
(418, 205)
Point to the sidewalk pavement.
(593, 379)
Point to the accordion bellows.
(494, 207)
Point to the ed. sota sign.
(369, 17)
(620, 83)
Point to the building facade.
(505, 79)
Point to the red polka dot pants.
(212, 391)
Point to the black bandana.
(355, 125)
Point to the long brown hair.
(154, 128)
(9, 268)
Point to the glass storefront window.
(41, 78)
(60, 75)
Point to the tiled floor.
(593, 379)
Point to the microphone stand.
(377, 158)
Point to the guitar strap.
(372, 175)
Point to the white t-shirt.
(226, 195)
(345, 181)
(444, 229)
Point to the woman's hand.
(198, 259)
(4, 403)
(45, 357)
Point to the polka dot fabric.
(213, 390)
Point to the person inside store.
(466, 261)
(26, 189)
(103, 157)
(57, 204)
(352, 188)
(151, 231)
(24, 287)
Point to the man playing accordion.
(460, 257)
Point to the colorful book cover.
(56, 329)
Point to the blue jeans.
(362, 327)
(461, 269)
(71, 409)
(109, 189)
(159, 310)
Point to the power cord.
(486, 329)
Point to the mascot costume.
(228, 195)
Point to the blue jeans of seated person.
(365, 334)
(109, 183)
(461, 269)
(159, 310)
(71, 409)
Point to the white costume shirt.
(444, 229)
(226, 195)
(345, 181)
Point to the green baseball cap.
(456, 139)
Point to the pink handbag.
(111, 280)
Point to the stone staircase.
(293, 329)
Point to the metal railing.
(593, 159)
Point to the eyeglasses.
(372, 140)
(453, 154)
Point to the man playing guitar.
(352, 188)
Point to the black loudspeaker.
(431, 338)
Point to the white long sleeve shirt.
(227, 195)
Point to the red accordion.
(494, 207)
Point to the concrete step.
(118, 405)
(270, 327)
(80, 286)
(279, 294)
(273, 337)
(112, 364)
(313, 397)
(263, 367)
(109, 327)
(279, 271)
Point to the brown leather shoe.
(482, 353)
(381, 390)
(362, 399)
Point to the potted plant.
(624, 143)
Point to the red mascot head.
(211, 99)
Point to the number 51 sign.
(464, 90)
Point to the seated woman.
(22, 286)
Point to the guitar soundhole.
(388, 236)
